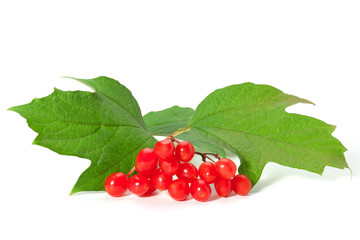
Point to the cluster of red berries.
(156, 168)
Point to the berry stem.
(174, 140)
(213, 154)
(130, 172)
(205, 156)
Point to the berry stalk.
(130, 172)
(205, 156)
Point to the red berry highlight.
(200, 190)
(169, 165)
(241, 184)
(139, 184)
(164, 148)
(179, 190)
(207, 172)
(225, 168)
(116, 184)
(223, 187)
(185, 151)
(161, 180)
(187, 172)
(146, 161)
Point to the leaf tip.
(332, 127)
(11, 109)
(16, 109)
(76, 79)
(73, 191)
(310, 102)
(303, 100)
(351, 172)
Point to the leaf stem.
(178, 132)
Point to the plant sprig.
(249, 120)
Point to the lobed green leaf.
(105, 127)
(250, 120)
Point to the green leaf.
(167, 121)
(105, 126)
(250, 120)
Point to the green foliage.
(249, 120)
(105, 127)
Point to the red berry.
(164, 148)
(207, 172)
(185, 151)
(241, 184)
(170, 165)
(225, 168)
(139, 184)
(200, 190)
(161, 180)
(223, 187)
(179, 190)
(116, 184)
(146, 161)
(187, 172)
(152, 188)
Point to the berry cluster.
(157, 167)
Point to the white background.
(175, 53)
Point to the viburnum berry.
(139, 184)
(169, 165)
(200, 190)
(241, 184)
(161, 180)
(207, 172)
(187, 172)
(146, 161)
(223, 187)
(116, 184)
(152, 188)
(225, 168)
(185, 151)
(179, 190)
(164, 148)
